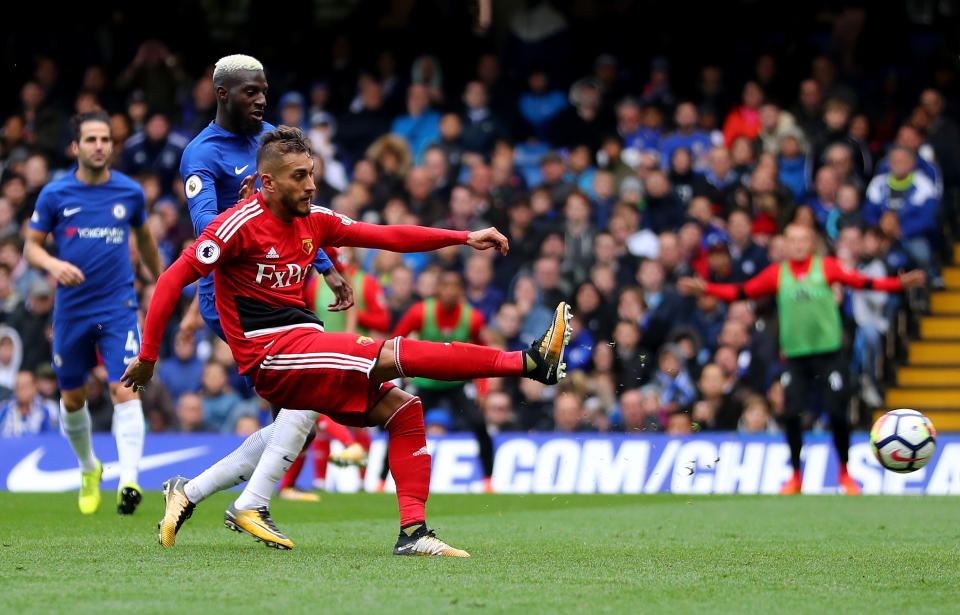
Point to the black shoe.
(543, 361)
(418, 539)
(128, 499)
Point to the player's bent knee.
(74, 399)
(387, 366)
(395, 399)
(120, 394)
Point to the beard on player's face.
(241, 119)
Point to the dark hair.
(90, 116)
(279, 141)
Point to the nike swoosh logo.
(27, 476)
(239, 170)
(895, 455)
(69, 212)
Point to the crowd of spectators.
(609, 189)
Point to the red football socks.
(409, 461)
(321, 453)
(455, 360)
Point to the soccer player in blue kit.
(90, 212)
(215, 167)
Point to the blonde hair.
(229, 66)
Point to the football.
(903, 440)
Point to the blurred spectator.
(913, 197)
(11, 356)
(479, 291)
(568, 414)
(421, 126)
(774, 124)
(748, 257)
(824, 200)
(427, 71)
(673, 379)
(686, 135)
(32, 320)
(836, 119)
(714, 408)
(498, 411)
(221, 404)
(201, 109)
(756, 417)
(42, 121)
(190, 414)
(246, 425)
(156, 72)
(27, 412)
(541, 105)
(582, 122)
(155, 150)
(808, 110)
(481, 128)
(664, 210)
(632, 361)
(744, 120)
(292, 110)
(438, 422)
(719, 181)
(183, 371)
(364, 123)
(793, 164)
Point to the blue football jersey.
(91, 228)
(213, 167)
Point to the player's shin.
(77, 426)
(232, 470)
(129, 430)
(454, 360)
(409, 461)
(290, 431)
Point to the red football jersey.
(261, 264)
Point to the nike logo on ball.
(895, 455)
(239, 170)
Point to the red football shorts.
(306, 369)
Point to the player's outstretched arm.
(905, 280)
(165, 298)
(37, 256)
(338, 230)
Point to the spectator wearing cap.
(155, 149)
(437, 422)
(719, 262)
(292, 110)
(793, 169)
(686, 134)
(27, 412)
(32, 319)
(744, 120)
(421, 125)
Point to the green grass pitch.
(531, 554)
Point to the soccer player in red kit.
(282, 347)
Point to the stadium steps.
(930, 380)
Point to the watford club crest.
(308, 246)
(363, 340)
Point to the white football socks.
(76, 426)
(290, 430)
(232, 470)
(128, 430)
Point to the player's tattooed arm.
(37, 256)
